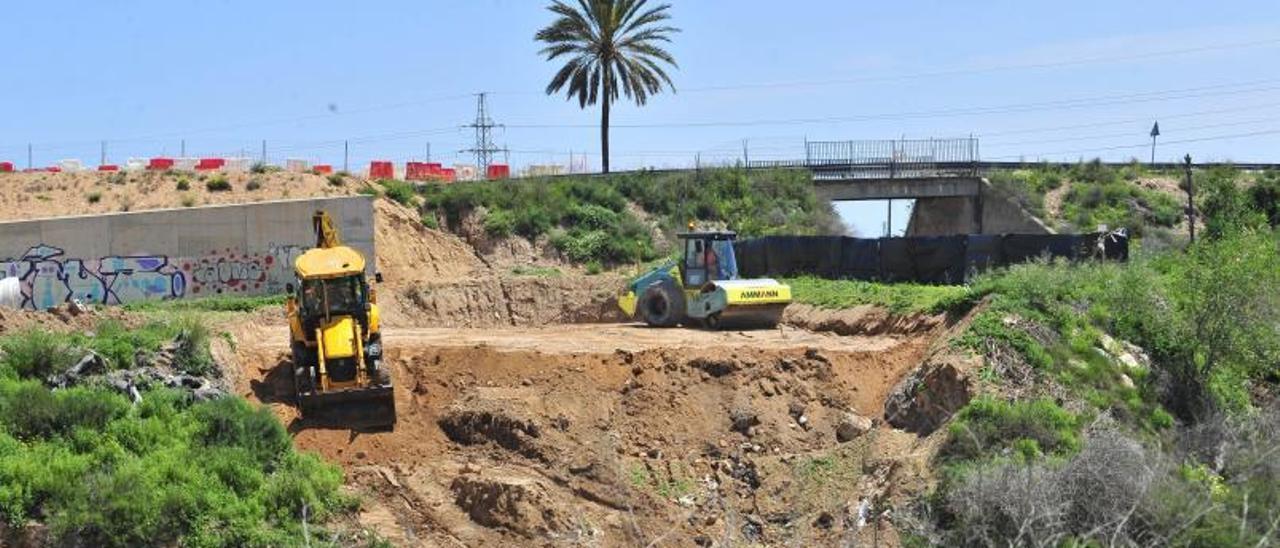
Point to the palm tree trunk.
(604, 133)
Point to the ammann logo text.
(760, 294)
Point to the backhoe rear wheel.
(662, 304)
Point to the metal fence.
(879, 159)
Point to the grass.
(1098, 195)
(400, 192)
(988, 427)
(897, 298)
(210, 304)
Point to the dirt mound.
(62, 319)
(506, 301)
(57, 194)
(861, 320)
(410, 253)
(617, 435)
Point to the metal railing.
(886, 159)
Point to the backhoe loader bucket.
(368, 407)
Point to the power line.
(1062, 104)
(1145, 145)
(484, 125)
(1124, 134)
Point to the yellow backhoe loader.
(334, 333)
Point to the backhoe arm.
(326, 234)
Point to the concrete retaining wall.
(171, 254)
(987, 213)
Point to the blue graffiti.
(48, 279)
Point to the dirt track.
(612, 434)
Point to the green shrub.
(987, 427)
(259, 168)
(184, 184)
(188, 200)
(594, 267)
(499, 223)
(253, 184)
(231, 422)
(400, 192)
(94, 197)
(369, 190)
(36, 353)
(217, 184)
(429, 220)
(219, 303)
(898, 298)
(337, 179)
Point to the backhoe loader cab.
(335, 337)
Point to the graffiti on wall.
(49, 278)
(231, 271)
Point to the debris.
(851, 426)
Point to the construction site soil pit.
(617, 434)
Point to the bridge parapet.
(886, 159)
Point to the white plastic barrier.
(466, 172)
(295, 165)
(185, 164)
(10, 293)
(70, 166)
(237, 165)
(135, 164)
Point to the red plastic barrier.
(209, 164)
(381, 170)
(449, 175)
(322, 169)
(421, 171)
(53, 169)
(160, 164)
(499, 171)
(6, 167)
(108, 167)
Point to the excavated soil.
(618, 434)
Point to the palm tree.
(611, 44)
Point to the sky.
(1031, 80)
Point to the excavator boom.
(326, 234)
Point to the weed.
(94, 197)
(188, 200)
(253, 184)
(537, 271)
(400, 192)
(898, 298)
(218, 183)
(184, 184)
(337, 179)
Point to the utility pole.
(484, 149)
(346, 154)
(103, 158)
(1155, 132)
(29, 156)
(183, 148)
(428, 152)
(1191, 199)
(264, 152)
(746, 155)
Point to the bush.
(36, 353)
(989, 427)
(184, 184)
(217, 184)
(188, 200)
(400, 192)
(499, 223)
(369, 190)
(94, 197)
(253, 184)
(259, 168)
(337, 179)
(429, 220)
(588, 219)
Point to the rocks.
(927, 398)
(851, 426)
(743, 419)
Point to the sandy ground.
(614, 434)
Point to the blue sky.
(1062, 80)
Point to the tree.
(613, 47)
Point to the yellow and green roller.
(702, 288)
